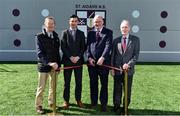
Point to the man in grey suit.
(73, 47)
(124, 55)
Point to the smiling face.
(98, 22)
(73, 22)
(125, 27)
(49, 24)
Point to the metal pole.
(54, 93)
(54, 96)
(126, 91)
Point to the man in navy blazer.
(47, 45)
(99, 44)
(124, 55)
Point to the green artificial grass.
(156, 90)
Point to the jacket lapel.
(129, 44)
(119, 46)
(77, 36)
(102, 35)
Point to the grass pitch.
(156, 90)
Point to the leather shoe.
(103, 108)
(123, 111)
(93, 106)
(80, 104)
(51, 106)
(39, 110)
(65, 105)
(116, 108)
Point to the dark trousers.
(78, 82)
(119, 88)
(95, 73)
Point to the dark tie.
(124, 44)
(51, 36)
(98, 35)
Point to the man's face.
(49, 25)
(124, 28)
(73, 22)
(98, 22)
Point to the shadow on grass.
(46, 111)
(151, 112)
(75, 110)
(5, 68)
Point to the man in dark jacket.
(73, 47)
(99, 45)
(47, 44)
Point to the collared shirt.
(98, 31)
(50, 34)
(71, 29)
(95, 29)
(73, 32)
(127, 39)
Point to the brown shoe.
(39, 110)
(51, 106)
(80, 104)
(65, 105)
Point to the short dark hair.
(74, 16)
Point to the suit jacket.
(103, 47)
(130, 56)
(47, 50)
(70, 47)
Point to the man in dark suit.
(73, 47)
(124, 55)
(99, 44)
(47, 44)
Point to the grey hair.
(98, 16)
(126, 22)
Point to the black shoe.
(103, 108)
(123, 111)
(92, 106)
(116, 108)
